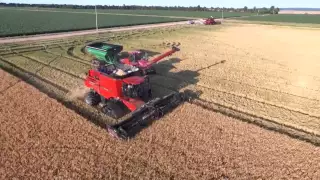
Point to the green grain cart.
(108, 53)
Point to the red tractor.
(120, 95)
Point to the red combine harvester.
(140, 60)
(211, 21)
(121, 95)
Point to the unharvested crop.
(41, 139)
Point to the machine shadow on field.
(165, 81)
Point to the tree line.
(264, 10)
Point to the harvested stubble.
(42, 139)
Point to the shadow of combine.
(168, 79)
(165, 82)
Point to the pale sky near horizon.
(207, 3)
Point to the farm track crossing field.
(288, 18)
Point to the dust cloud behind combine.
(77, 93)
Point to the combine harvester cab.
(123, 95)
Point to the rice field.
(273, 87)
(49, 141)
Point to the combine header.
(127, 92)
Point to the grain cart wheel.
(113, 109)
(93, 98)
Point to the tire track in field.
(267, 80)
(74, 59)
(241, 96)
(247, 84)
(43, 84)
(312, 119)
(251, 117)
(246, 97)
(31, 74)
(219, 103)
(50, 66)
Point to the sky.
(207, 3)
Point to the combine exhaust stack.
(152, 110)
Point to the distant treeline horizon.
(300, 9)
(264, 10)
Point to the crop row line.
(243, 96)
(74, 59)
(211, 102)
(273, 90)
(260, 120)
(271, 81)
(290, 84)
(249, 98)
(261, 101)
(254, 99)
(53, 67)
(26, 71)
(268, 89)
(259, 87)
